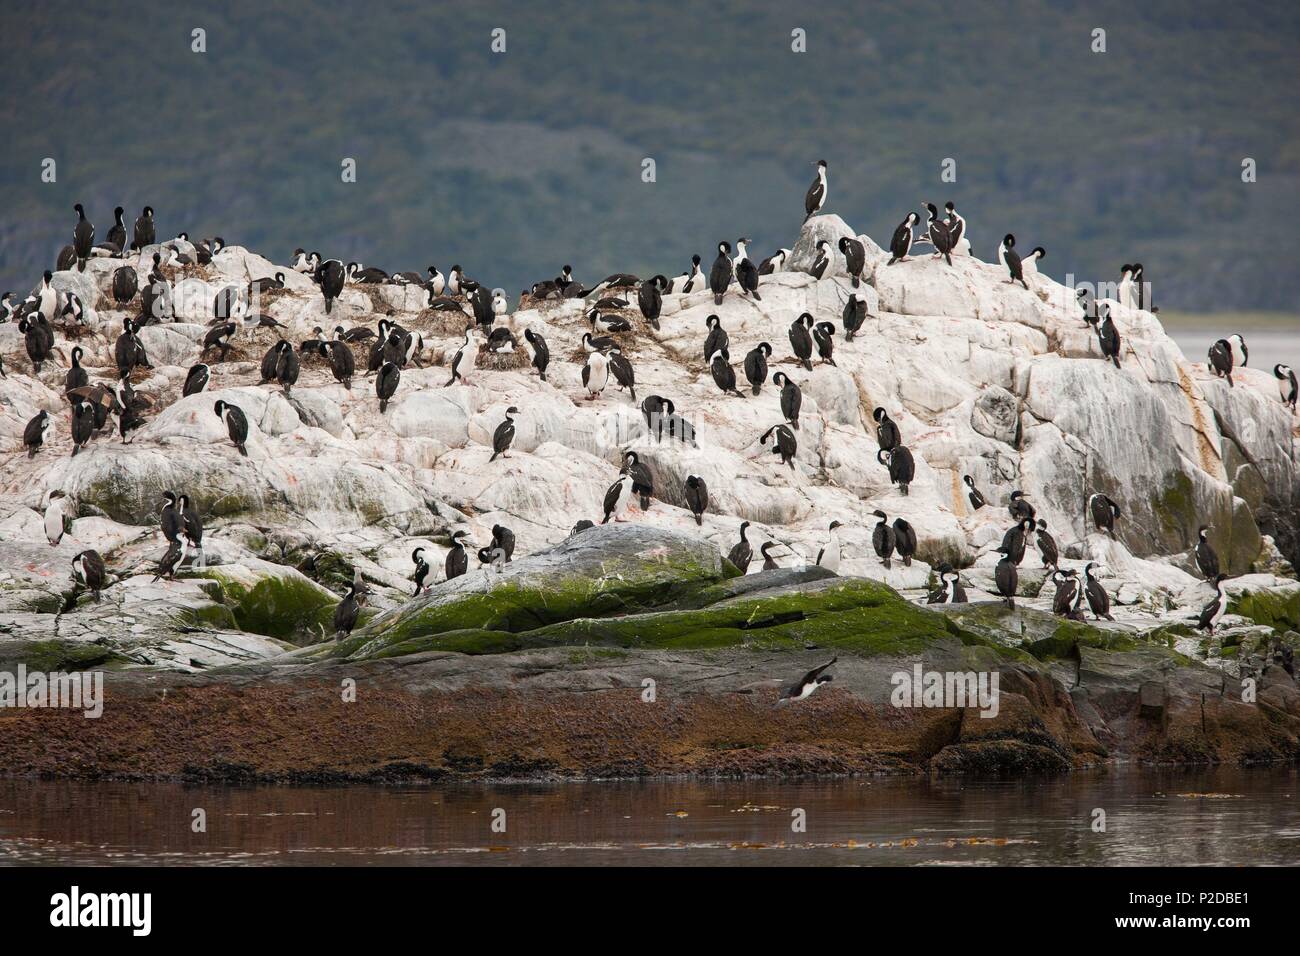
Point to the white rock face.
(983, 378)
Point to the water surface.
(1226, 817)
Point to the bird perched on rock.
(815, 197)
(83, 237)
(457, 561)
(1011, 259)
(1066, 602)
(538, 353)
(617, 498)
(756, 366)
(1104, 512)
(783, 443)
(421, 571)
(746, 271)
(822, 260)
(1286, 385)
(390, 376)
(1047, 546)
(145, 233)
(236, 424)
(642, 481)
(938, 234)
(976, 498)
(828, 556)
(854, 314)
(347, 612)
(54, 518)
(883, 538)
(741, 552)
(824, 336)
(1098, 599)
(88, 572)
(1019, 507)
(801, 342)
(1207, 559)
(769, 562)
(855, 258)
(697, 497)
(1007, 578)
(1220, 356)
(902, 467)
(1213, 612)
(901, 243)
(722, 272)
(35, 431)
(504, 435)
(904, 540)
(724, 376)
(887, 435)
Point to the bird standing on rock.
(815, 197)
(236, 424)
(697, 497)
(504, 435)
(722, 272)
(746, 271)
(801, 342)
(741, 552)
(883, 538)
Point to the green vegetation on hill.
(514, 163)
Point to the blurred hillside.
(514, 164)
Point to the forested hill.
(515, 163)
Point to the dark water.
(1231, 817)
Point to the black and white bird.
(34, 432)
(617, 498)
(801, 342)
(697, 497)
(1104, 511)
(1220, 356)
(715, 337)
(1286, 385)
(1143, 286)
(883, 539)
(902, 467)
(815, 197)
(905, 540)
(83, 425)
(741, 552)
(347, 612)
(422, 570)
(1047, 548)
(539, 353)
(791, 398)
(774, 263)
(975, 497)
(595, 374)
(504, 435)
(236, 424)
(1011, 259)
(1207, 559)
(887, 436)
(83, 238)
(172, 559)
(1213, 612)
(824, 336)
(53, 519)
(855, 258)
(721, 273)
(608, 323)
(807, 685)
(503, 542)
(465, 359)
(331, 275)
(643, 484)
(657, 412)
(938, 234)
(76, 376)
(746, 271)
(170, 520)
(1240, 353)
(145, 233)
(828, 556)
(783, 443)
(822, 261)
(854, 314)
(1016, 539)
(901, 243)
(1098, 599)
(1029, 263)
(756, 366)
(1019, 507)
(1067, 600)
(724, 376)
(457, 560)
(343, 364)
(950, 590)
(692, 280)
(650, 299)
(621, 370)
(1108, 337)
(956, 226)
(1007, 578)
(88, 572)
(390, 376)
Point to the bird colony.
(964, 430)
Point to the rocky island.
(635, 647)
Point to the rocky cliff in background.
(984, 378)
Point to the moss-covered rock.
(273, 600)
(1276, 605)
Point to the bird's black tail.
(717, 298)
(699, 520)
(242, 450)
